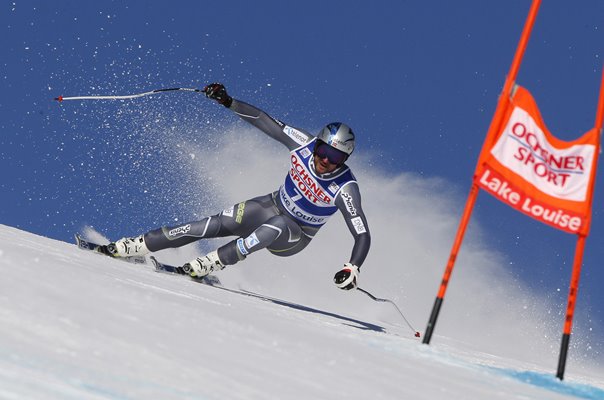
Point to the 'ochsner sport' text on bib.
(307, 197)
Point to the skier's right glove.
(217, 91)
(346, 278)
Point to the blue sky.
(418, 81)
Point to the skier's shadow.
(355, 323)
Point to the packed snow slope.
(77, 325)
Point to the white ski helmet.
(339, 136)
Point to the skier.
(318, 184)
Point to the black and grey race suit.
(286, 220)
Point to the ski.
(100, 249)
(211, 280)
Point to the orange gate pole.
(574, 281)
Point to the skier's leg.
(167, 237)
(265, 227)
(274, 230)
(239, 220)
(280, 235)
(180, 235)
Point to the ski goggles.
(334, 156)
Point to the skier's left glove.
(217, 91)
(347, 277)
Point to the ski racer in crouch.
(318, 184)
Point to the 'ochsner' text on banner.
(524, 149)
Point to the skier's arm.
(349, 203)
(291, 137)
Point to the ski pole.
(128, 96)
(395, 306)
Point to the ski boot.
(126, 247)
(203, 266)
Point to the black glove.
(217, 91)
(346, 278)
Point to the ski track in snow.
(76, 325)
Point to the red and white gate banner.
(525, 166)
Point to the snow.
(76, 325)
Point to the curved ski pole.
(128, 96)
(395, 306)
